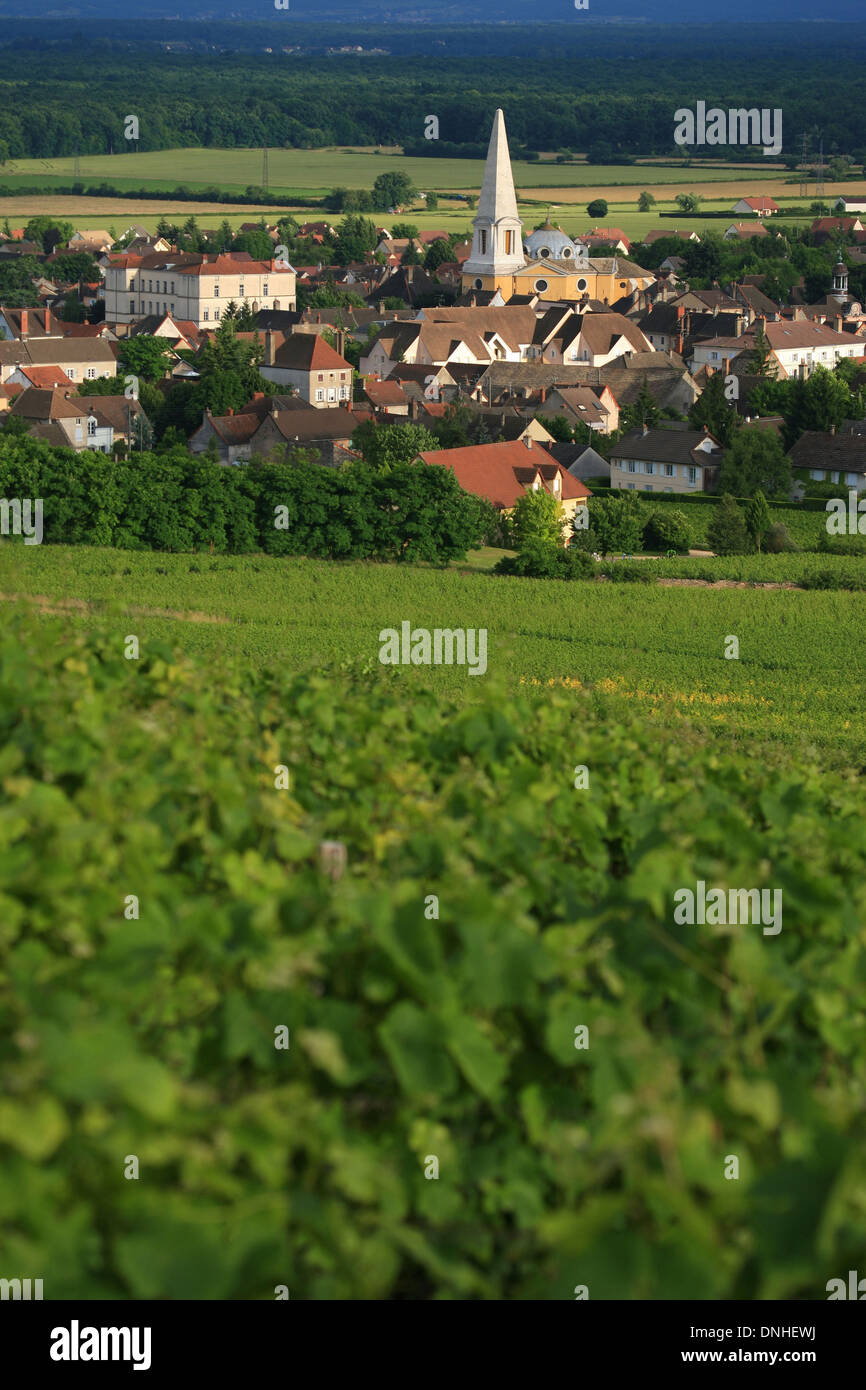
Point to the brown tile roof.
(309, 352)
(49, 377)
(838, 452)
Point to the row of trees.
(284, 506)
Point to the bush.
(630, 572)
(778, 539)
(617, 522)
(545, 561)
(667, 530)
(727, 532)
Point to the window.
(478, 284)
(631, 465)
(541, 286)
(91, 427)
(631, 485)
(482, 236)
(332, 394)
(650, 468)
(669, 470)
(216, 313)
(132, 306)
(241, 290)
(70, 372)
(344, 393)
(172, 308)
(648, 487)
(342, 376)
(668, 489)
(172, 287)
(509, 243)
(693, 475)
(320, 377)
(714, 357)
(165, 287)
(150, 284)
(265, 289)
(216, 291)
(320, 395)
(206, 315)
(90, 373)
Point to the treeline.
(618, 99)
(180, 192)
(180, 502)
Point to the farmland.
(656, 650)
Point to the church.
(546, 264)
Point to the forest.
(609, 93)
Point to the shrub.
(727, 532)
(545, 561)
(778, 539)
(617, 521)
(667, 530)
(630, 572)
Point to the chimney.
(645, 430)
(230, 410)
(381, 306)
(527, 439)
(543, 394)
(25, 323)
(269, 348)
(681, 313)
(48, 324)
(258, 395)
(273, 412)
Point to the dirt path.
(728, 584)
(78, 605)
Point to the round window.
(566, 252)
(544, 252)
(541, 286)
(479, 285)
(581, 284)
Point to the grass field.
(566, 188)
(648, 649)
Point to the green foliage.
(667, 530)
(145, 356)
(714, 410)
(48, 232)
(390, 446)
(727, 533)
(356, 239)
(688, 202)
(756, 461)
(393, 190)
(778, 539)
(410, 1037)
(597, 208)
(175, 501)
(544, 559)
(617, 522)
(537, 520)
(757, 519)
(646, 201)
(644, 411)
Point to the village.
(534, 360)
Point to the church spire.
(497, 240)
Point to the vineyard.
(490, 990)
(628, 649)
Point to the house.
(831, 458)
(64, 419)
(16, 249)
(386, 397)
(29, 323)
(581, 461)
(48, 378)
(826, 229)
(597, 410)
(741, 231)
(675, 460)
(797, 345)
(502, 473)
(761, 206)
(193, 287)
(658, 233)
(82, 359)
(853, 204)
(95, 241)
(607, 238)
(266, 424)
(306, 361)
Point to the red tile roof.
(503, 472)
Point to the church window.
(544, 252)
(566, 252)
(483, 237)
(479, 285)
(509, 243)
(581, 284)
(541, 286)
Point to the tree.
(667, 529)
(597, 208)
(257, 244)
(386, 447)
(714, 410)
(72, 310)
(432, 202)
(536, 519)
(761, 360)
(688, 202)
(356, 238)
(404, 229)
(558, 426)
(393, 190)
(756, 462)
(146, 356)
(646, 201)
(438, 252)
(757, 518)
(616, 522)
(820, 402)
(727, 532)
(643, 411)
(48, 232)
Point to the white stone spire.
(497, 240)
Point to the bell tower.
(497, 238)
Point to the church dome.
(550, 243)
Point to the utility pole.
(804, 169)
